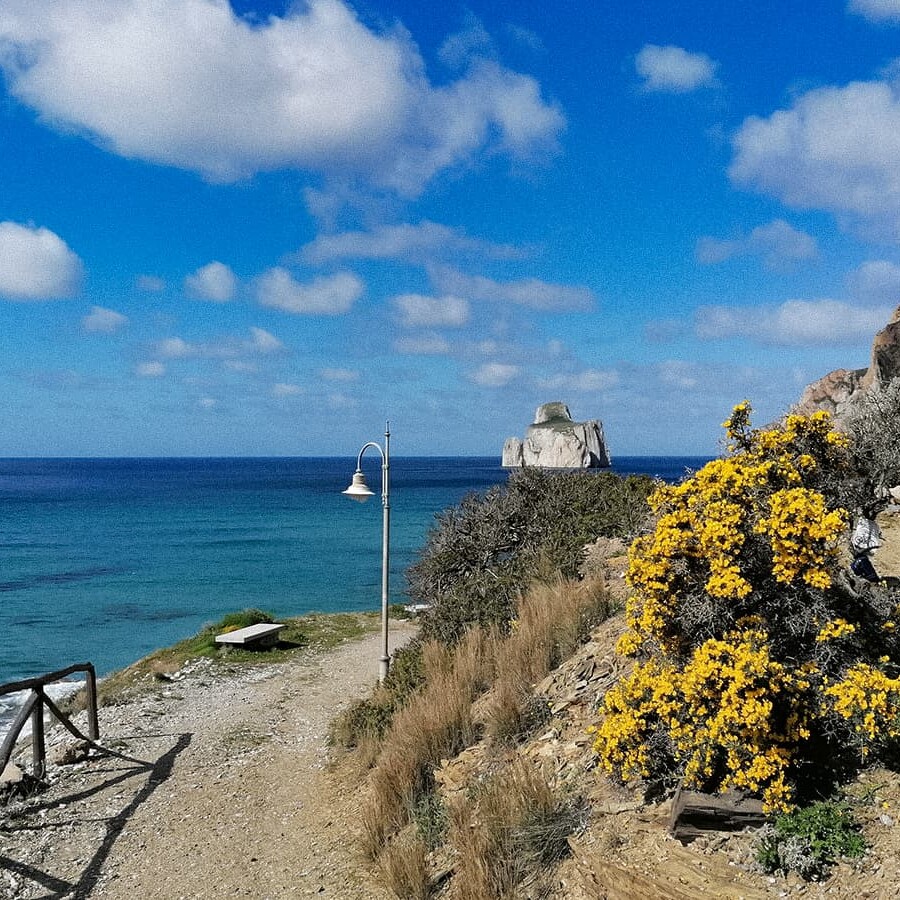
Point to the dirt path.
(232, 797)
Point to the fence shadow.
(157, 773)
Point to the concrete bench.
(262, 635)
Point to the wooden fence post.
(91, 692)
(38, 748)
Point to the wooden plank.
(695, 813)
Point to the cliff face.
(837, 390)
(553, 440)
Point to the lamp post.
(360, 492)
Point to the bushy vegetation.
(480, 685)
(809, 841)
(368, 719)
(874, 424)
(484, 552)
(756, 665)
(513, 827)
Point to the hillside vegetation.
(518, 745)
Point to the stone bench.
(261, 635)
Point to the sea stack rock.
(838, 390)
(554, 441)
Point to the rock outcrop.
(554, 441)
(838, 390)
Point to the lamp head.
(358, 489)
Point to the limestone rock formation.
(553, 440)
(838, 390)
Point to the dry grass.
(554, 619)
(511, 831)
(436, 723)
(404, 867)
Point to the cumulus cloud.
(103, 321)
(150, 369)
(495, 374)
(422, 345)
(215, 281)
(778, 244)
(410, 243)
(835, 148)
(36, 264)
(674, 70)
(417, 311)
(792, 323)
(530, 292)
(188, 83)
(876, 281)
(877, 10)
(328, 295)
(260, 343)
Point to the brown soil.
(222, 789)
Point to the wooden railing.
(33, 709)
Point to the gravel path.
(227, 792)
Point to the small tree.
(754, 658)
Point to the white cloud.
(685, 376)
(260, 343)
(150, 369)
(495, 375)
(150, 284)
(188, 83)
(586, 381)
(103, 321)
(778, 244)
(215, 281)
(36, 264)
(836, 148)
(792, 323)
(330, 295)
(877, 10)
(344, 375)
(876, 281)
(673, 69)
(472, 41)
(410, 243)
(284, 389)
(530, 292)
(423, 345)
(416, 311)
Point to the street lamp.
(360, 492)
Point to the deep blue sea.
(104, 560)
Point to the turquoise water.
(106, 560)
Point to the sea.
(105, 560)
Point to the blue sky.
(264, 228)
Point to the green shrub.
(809, 841)
(371, 717)
(483, 553)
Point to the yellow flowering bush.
(754, 658)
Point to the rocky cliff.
(555, 441)
(837, 390)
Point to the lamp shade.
(358, 489)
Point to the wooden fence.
(33, 709)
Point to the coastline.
(220, 780)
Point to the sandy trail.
(234, 798)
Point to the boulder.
(555, 441)
(838, 390)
